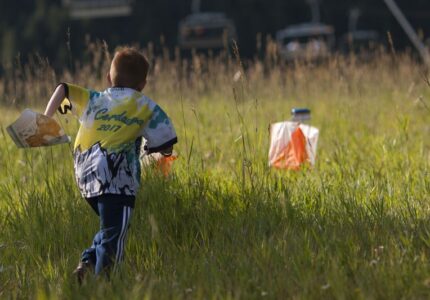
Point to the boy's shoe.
(81, 271)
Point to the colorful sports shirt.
(106, 159)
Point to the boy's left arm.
(55, 101)
(77, 97)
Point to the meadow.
(224, 225)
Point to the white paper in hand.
(33, 129)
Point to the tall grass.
(224, 225)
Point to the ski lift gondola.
(86, 9)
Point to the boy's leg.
(93, 202)
(88, 260)
(115, 212)
(89, 255)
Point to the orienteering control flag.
(292, 144)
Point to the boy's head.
(129, 68)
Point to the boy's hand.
(167, 151)
(159, 161)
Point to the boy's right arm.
(56, 99)
(159, 133)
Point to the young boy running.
(106, 151)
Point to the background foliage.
(44, 27)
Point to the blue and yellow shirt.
(112, 121)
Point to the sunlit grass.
(224, 225)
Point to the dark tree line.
(44, 27)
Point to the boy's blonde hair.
(129, 68)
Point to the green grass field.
(224, 225)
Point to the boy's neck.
(124, 87)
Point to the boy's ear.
(109, 79)
(142, 85)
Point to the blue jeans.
(108, 244)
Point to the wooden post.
(315, 10)
(195, 6)
(419, 45)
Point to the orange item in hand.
(164, 164)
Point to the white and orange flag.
(292, 145)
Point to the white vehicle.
(307, 41)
